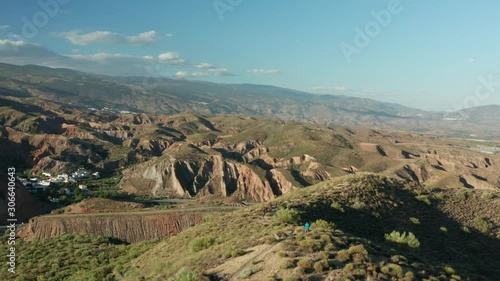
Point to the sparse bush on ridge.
(415, 220)
(289, 216)
(423, 198)
(488, 195)
(449, 270)
(408, 239)
(311, 245)
(393, 270)
(185, 274)
(289, 263)
(462, 196)
(247, 272)
(201, 243)
(337, 206)
(358, 205)
(305, 264)
(322, 224)
(483, 224)
(321, 266)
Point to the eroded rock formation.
(127, 226)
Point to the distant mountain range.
(167, 96)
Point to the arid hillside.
(362, 226)
(249, 158)
(449, 234)
(172, 96)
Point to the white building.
(81, 173)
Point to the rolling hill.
(170, 96)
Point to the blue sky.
(432, 55)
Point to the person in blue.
(306, 227)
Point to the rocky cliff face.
(128, 227)
(453, 168)
(208, 175)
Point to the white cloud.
(199, 74)
(169, 35)
(107, 37)
(472, 60)
(9, 44)
(21, 53)
(75, 51)
(4, 27)
(184, 74)
(106, 57)
(171, 58)
(220, 71)
(264, 71)
(17, 49)
(203, 65)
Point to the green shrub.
(443, 229)
(305, 264)
(423, 198)
(343, 256)
(408, 239)
(201, 243)
(289, 216)
(415, 220)
(337, 206)
(358, 253)
(449, 270)
(462, 196)
(289, 263)
(325, 238)
(358, 205)
(185, 274)
(349, 267)
(322, 224)
(392, 270)
(488, 195)
(409, 276)
(439, 195)
(311, 245)
(483, 225)
(282, 254)
(321, 266)
(247, 272)
(234, 253)
(465, 229)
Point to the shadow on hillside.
(473, 254)
(298, 178)
(26, 108)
